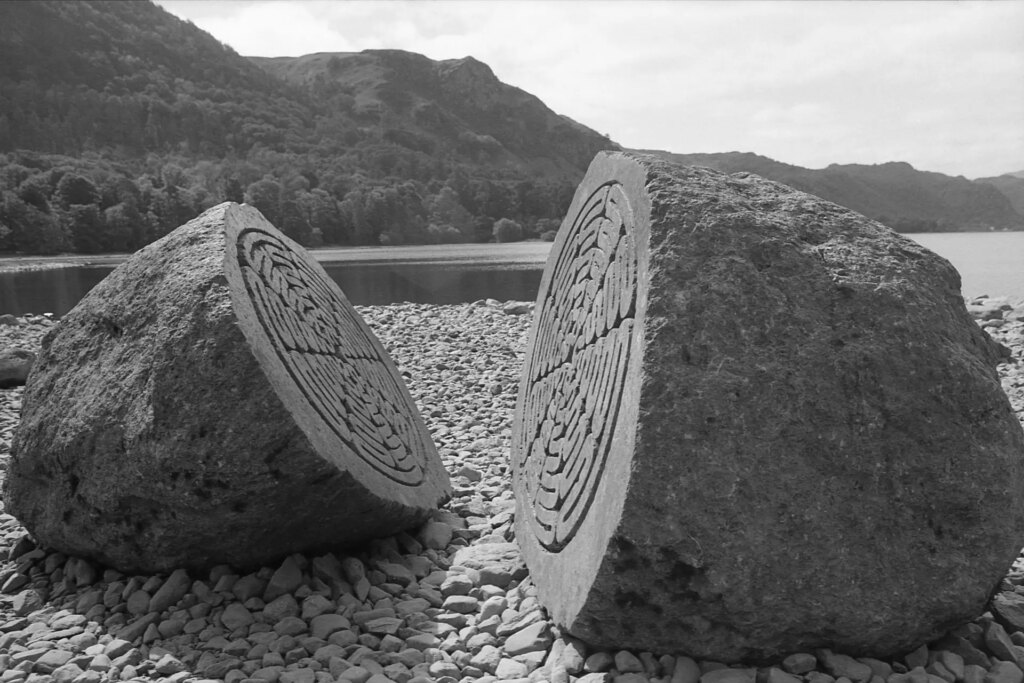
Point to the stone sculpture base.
(216, 399)
(752, 422)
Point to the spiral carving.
(327, 351)
(578, 366)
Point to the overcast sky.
(937, 84)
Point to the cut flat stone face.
(752, 422)
(216, 399)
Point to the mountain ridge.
(894, 192)
(1011, 185)
(458, 102)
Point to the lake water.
(443, 274)
(989, 263)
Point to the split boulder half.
(752, 422)
(216, 399)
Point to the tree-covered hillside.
(118, 122)
(1011, 185)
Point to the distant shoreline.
(527, 252)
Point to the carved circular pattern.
(578, 367)
(326, 349)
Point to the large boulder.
(752, 422)
(216, 399)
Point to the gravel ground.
(451, 602)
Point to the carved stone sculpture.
(216, 399)
(752, 422)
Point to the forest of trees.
(52, 204)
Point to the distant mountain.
(451, 107)
(132, 78)
(893, 193)
(119, 121)
(127, 75)
(1011, 185)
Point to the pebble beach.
(450, 602)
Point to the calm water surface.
(989, 263)
(442, 274)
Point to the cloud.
(810, 83)
(270, 28)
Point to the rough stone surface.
(752, 423)
(840, 666)
(15, 365)
(1004, 672)
(216, 399)
(498, 562)
(799, 663)
(1009, 609)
